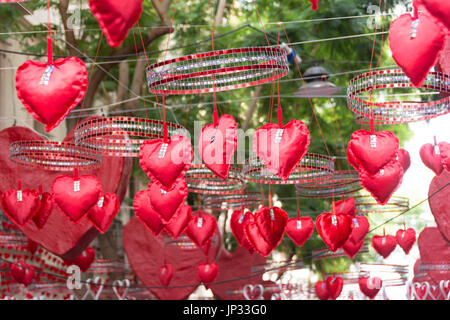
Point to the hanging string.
(262, 25)
(215, 113)
(49, 37)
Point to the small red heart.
(430, 158)
(444, 148)
(281, 156)
(22, 273)
(207, 272)
(165, 274)
(116, 18)
(404, 159)
(167, 202)
(102, 214)
(217, 145)
(334, 229)
(299, 230)
(334, 287)
(179, 222)
(50, 103)
(237, 222)
(145, 212)
(360, 227)
(370, 286)
(406, 239)
(20, 212)
(84, 260)
(45, 210)
(439, 9)
(166, 167)
(314, 4)
(439, 202)
(346, 206)
(201, 228)
(76, 204)
(384, 245)
(351, 248)
(321, 290)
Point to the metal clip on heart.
(19, 191)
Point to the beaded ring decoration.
(366, 204)
(339, 183)
(202, 180)
(222, 203)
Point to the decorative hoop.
(396, 111)
(366, 204)
(339, 183)
(106, 266)
(202, 180)
(222, 203)
(121, 136)
(53, 155)
(312, 168)
(218, 70)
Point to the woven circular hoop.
(121, 136)
(202, 180)
(312, 168)
(53, 155)
(366, 204)
(339, 183)
(222, 203)
(362, 88)
(218, 70)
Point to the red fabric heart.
(266, 231)
(179, 222)
(45, 210)
(145, 212)
(406, 239)
(237, 222)
(351, 248)
(314, 4)
(116, 18)
(299, 230)
(76, 204)
(439, 202)
(444, 148)
(84, 260)
(217, 145)
(434, 250)
(384, 245)
(334, 229)
(362, 155)
(431, 159)
(22, 273)
(370, 286)
(439, 9)
(102, 214)
(165, 274)
(166, 203)
(360, 227)
(51, 103)
(281, 157)
(346, 206)
(166, 168)
(416, 55)
(20, 212)
(334, 287)
(404, 159)
(207, 273)
(321, 290)
(201, 228)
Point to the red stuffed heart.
(321, 290)
(50, 102)
(314, 4)
(404, 159)
(116, 18)
(102, 214)
(179, 222)
(334, 287)
(22, 273)
(266, 231)
(20, 212)
(444, 148)
(217, 145)
(334, 229)
(299, 230)
(372, 157)
(207, 273)
(406, 239)
(430, 158)
(84, 260)
(434, 253)
(201, 228)
(165, 274)
(166, 203)
(237, 222)
(439, 9)
(384, 245)
(416, 55)
(351, 248)
(166, 167)
(45, 210)
(76, 203)
(281, 156)
(370, 286)
(360, 227)
(439, 202)
(145, 212)
(346, 206)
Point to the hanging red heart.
(444, 148)
(384, 245)
(166, 203)
(22, 273)
(300, 230)
(334, 287)
(217, 144)
(145, 212)
(166, 162)
(346, 206)
(207, 272)
(179, 222)
(116, 18)
(371, 152)
(201, 228)
(314, 4)
(321, 290)
(439, 9)
(75, 196)
(45, 210)
(360, 227)
(50, 92)
(237, 222)
(438, 199)
(20, 205)
(406, 239)
(266, 231)
(84, 260)
(165, 274)
(351, 248)
(431, 157)
(370, 286)
(404, 159)
(102, 214)
(416, 44)
(334, 229)
(281, 148)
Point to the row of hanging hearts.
(331, 288)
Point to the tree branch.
(63, 6)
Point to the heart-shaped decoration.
(166, 203)
(281, 148)
(50, 92)
(253, 292)
(299, 230)
(404, 159)
(75, 196)
(217, 144)
(434, 253)
(121, 288)
(266, 231)
(346, 206)
(334, 287)
(321, 290)
(238, 220)
(351, 248)
(444, 286)
(20, 205)
(102, 214)
(145, 212)
(334, 229)
(165, 274)
(416, 44)
(431, 157)
(116, 18)
(406, 239)
(439, 9)
(95, 289)
(45, 210)
(207, 273)
(370, 286)
(84, 260)
(179, 222)
(314, 4)
(22, 273)
(166, 162)
(371, 152)
(439, 204)
(201, 228)
(444, 148)
(384, 245)
(360, 227)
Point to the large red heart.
(299, 230)
(266, 231)
(281, 156)
(321, 290)
(371, 157)
(439, 202)
(179, 222)
(84, 260)
(102, 214)
(163, 162)
(166, 203)
(22, 272)
(430, 158)
(334, 229)
(147, 253)
(237, 222)
(404, 158)
(217, 145)
(416, 55)
(434, 249)
(346, 206)
(165, 274)
(45, 210)
(76, 203)
(351, 248)
(49, 102)
(334, 287)
(370, 286)
(201, 228)
(439, 9)
(406, 239)
(207, 273)
(116, 17)
(20, 212)
(384, 245)
(360, 227)
(145, 212)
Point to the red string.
(215, 115)
(262, 25)
(49, 37)
(165, 138)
